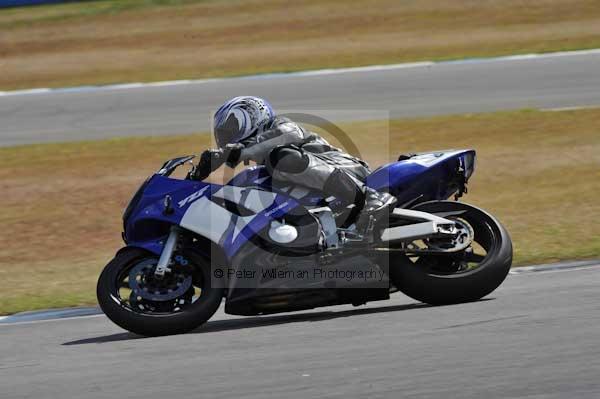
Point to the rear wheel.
(454, 277)
(131, 296)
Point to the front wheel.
(131, 296)
(463, 276)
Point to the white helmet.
(240, 118)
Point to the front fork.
(165, 257)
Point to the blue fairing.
(428, 176)
(278, 209)
(148, 224)
(425, 177)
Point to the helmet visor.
(229, 132)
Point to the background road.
(467, 86)
(535, 337)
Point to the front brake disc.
(144, 284)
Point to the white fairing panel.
(212, 221)
(207, 219)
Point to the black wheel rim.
(137, 289)
(483, 247)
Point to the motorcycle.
(192, 244)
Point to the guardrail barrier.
(19, 3)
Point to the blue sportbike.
(261, 247)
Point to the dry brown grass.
(116, 41)
(539, 172)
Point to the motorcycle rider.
(247, 129)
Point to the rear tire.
(428, 285)
(149, 324)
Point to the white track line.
(575, 108)
(12, 323)
(318, 72)
(556, 267)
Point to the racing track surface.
(441, 88)
(537, 336)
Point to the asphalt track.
(535, 337)
(545, 81)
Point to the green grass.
(538, 172)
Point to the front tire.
(435, 279)
(143, 321)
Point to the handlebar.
(169, 167)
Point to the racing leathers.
(296, 156)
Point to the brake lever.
(192, 170)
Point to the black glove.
(210, 160)
(233, 152)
